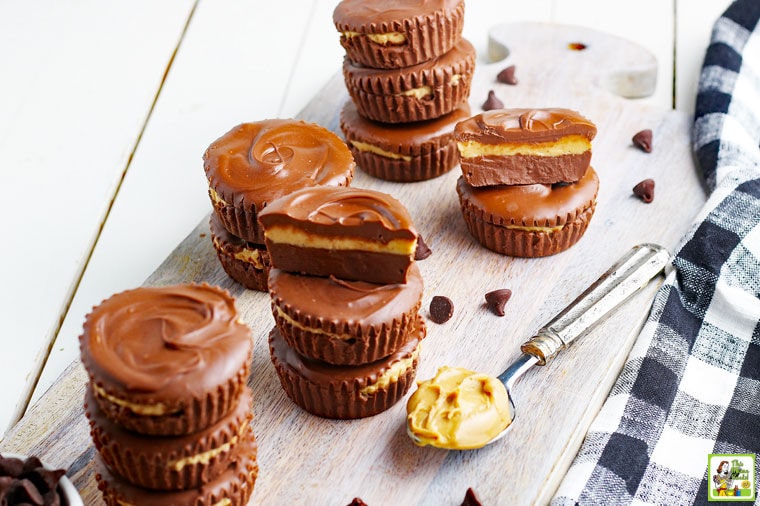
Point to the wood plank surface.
(196, 105)
(79, 80)
(308, 460)
(212, 85)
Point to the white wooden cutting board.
(308, 460)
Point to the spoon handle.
(629, 274)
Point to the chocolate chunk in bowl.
(27, 480)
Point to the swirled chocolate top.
(386, 13)
(341, 211)
(499, 126)
(400, 138)
(346, 303)
(170, 342)
(254, 163)
(530, 205)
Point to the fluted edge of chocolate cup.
(406, 109)
(420, 168)
(427, 37)
(186, 415)
(318, 338)
(244, 272)
(527, 243)
(153, 468)
(379, 96)
(236, 492)
(240, 221)
(344, 402)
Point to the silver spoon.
(627, 276)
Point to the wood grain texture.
(309, 460)
(79, 80)
(212, 86)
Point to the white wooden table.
(106, 108)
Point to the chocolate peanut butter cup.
(232, 487)
(166, 360)
(421, 92)
(396, 34)
(170, 463)
(350, 233)
(346, 392)
(245, 262)
(254, 163)
(529, 220)
(403, 152)
(344, 322)
(524, 146)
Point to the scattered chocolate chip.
(441, 309)
(422, 251)
(470, 499)
(492, 102)
(357, 502)
(643, 140)
(203, 235)
(497, 299)
(577, 46)
(507, 76)
(561, 184)
(645, 190)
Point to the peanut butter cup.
(254, 163)
(529, 220)
(403, 151)
(333, 391)
(396, 33)
(170, 463)
(245, 262)
(350, 233)
(166, 360)
(524, 146)
(344, 322)
(232, 487)
(421, 92)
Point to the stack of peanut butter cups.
(345, 293)
(167, 398)
(408, 72)
(527, 187)
(253, 164)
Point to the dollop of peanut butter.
(458, 409)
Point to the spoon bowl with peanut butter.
(459, 409)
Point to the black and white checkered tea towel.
(691, 385)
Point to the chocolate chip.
(25, 492)
(507, 76)
(497, 299)
(492, 102)
(470, 499)
(645, 190)
(422, 251)
(577, 46)
(28, 482)
(643, 140)
(10, 466)
(441, 309)
(560, 184)
(357, 502)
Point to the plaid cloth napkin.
(691, 385)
